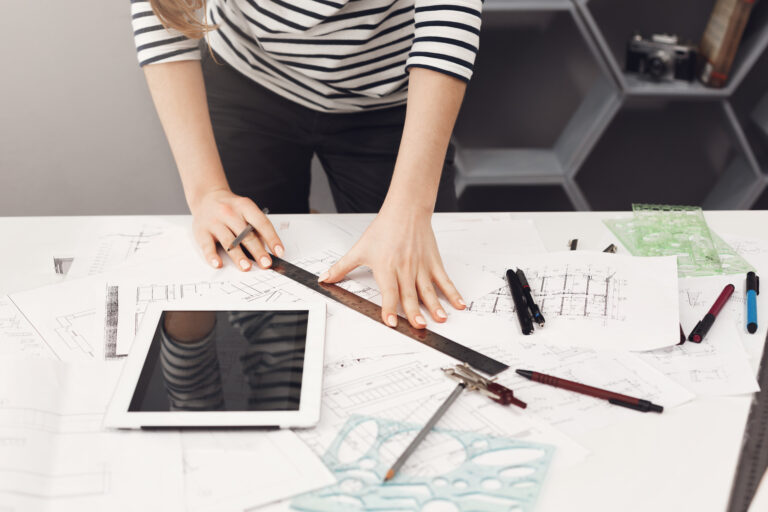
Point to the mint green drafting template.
(493, 474)
(682, 231)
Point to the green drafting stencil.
(682, 231)
(496, 474)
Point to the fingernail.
(441, 314)
(392, 320)
(215, 263)
(461, 302)
(265, 261)
(420, 320)
(323, 277)
(279, 251)
(244, 264)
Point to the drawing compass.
(464, 374)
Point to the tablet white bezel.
(307, 415)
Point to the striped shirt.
(328, 55)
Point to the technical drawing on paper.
(74, 329)
(17, 335)
(118, 247)
(408, 392)
(570, 291)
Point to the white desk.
(684, 459)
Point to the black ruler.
(449, 347)
(753, 460)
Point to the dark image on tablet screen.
(224, 361)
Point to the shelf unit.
(551, 121)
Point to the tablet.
(192, 365)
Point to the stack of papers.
(62, 346)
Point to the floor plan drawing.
(569, 291)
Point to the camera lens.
(658, 65)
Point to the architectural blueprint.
(594, 300)
(574, 413)
(19, 338)
(408, 389)
(63, 316)
(122, 241)
(719, 365)
(54, 452)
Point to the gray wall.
(78, 133)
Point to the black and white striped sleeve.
(154, 42)
(446, 36)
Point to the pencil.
(424, 431)
(244, 233)
(240, 237)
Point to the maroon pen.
(614, 398)
(702, 328)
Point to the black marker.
(535, 311)
(516, 289)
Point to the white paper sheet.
(125, 240)
(232, 471)
(404, 388)
(575, 413)
(719, 364)
(63, 315)
(593, 300)
(18, 338)
(55, 455)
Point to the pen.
(244, 233)
(705, 324)
(535, 311)
(424, 431)
(753, 290)
(614, 398)
(516, 289)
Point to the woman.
(373, 87)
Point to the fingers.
(389, 298)
(256, 247)
(225, 238)
(429, 297)
(341, 268)
(263, 226)
(208, 245)
(410, 300)
(446, 285)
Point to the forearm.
(434, 100)
(178, 92)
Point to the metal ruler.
(448, 347)
(753, 460)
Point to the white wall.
(78, 133)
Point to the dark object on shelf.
(721, 39)
(661, 59)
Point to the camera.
(662, 58)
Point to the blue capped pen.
(753, 289)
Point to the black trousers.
(266, 143)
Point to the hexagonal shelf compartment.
(551, 111)
(540, 97)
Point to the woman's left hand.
(400, 248)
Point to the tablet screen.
(224, 361)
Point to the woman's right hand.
(220, 215)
